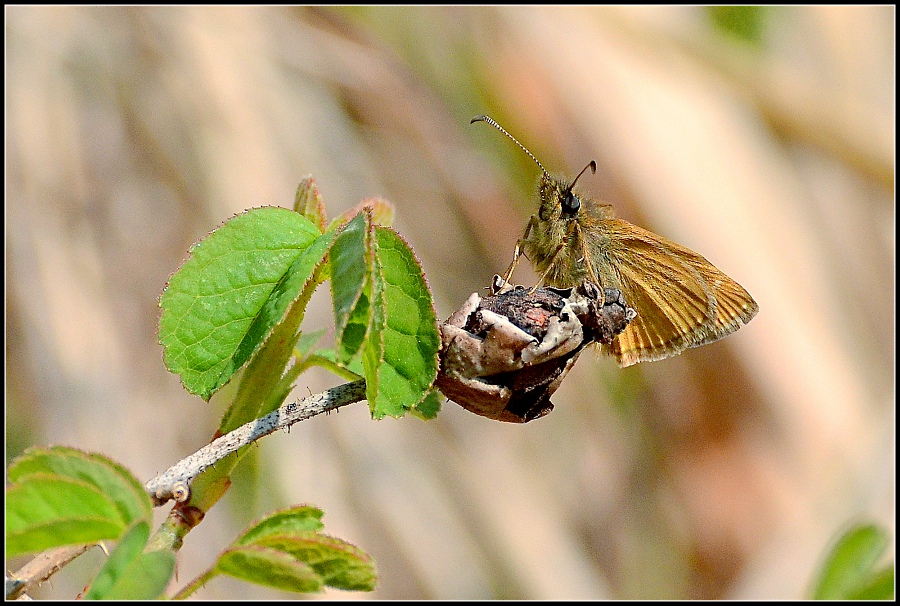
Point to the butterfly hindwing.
(681, 299)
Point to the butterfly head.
(558, 198)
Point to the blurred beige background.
(721, 473)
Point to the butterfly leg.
(593, 276)
(546, 273)
(518, 251)
(543, 277)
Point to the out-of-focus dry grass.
(724, 472)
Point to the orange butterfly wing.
(682, 300)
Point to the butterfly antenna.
(493, 123)
(591, 165)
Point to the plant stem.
(177, 479)
(41, 568)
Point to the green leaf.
(373, 352)
(306, 342)
(430, 405)
(849, 565)
(300, 519)
(48, 511)
(287, 290)
(339, 563)
(351, 261)
(131, 574)
(62, 496)
(259, 391)
(269, 567)
(356, 329)
(308, 202)
(326, 358)
(226, 298)
(117, 483)
(285, 550)
(879, 586)
(745, 23)
(401, 351)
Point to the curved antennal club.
(591, 165)
(493, 123)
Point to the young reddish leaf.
(308, 202)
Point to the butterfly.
(681, 299)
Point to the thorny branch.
(174, 483)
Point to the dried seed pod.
(504, 355)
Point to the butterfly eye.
(570, 204)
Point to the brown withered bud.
(504, 355)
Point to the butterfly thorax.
(557, 242)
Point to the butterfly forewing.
(681, 299)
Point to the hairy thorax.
(561, 245)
